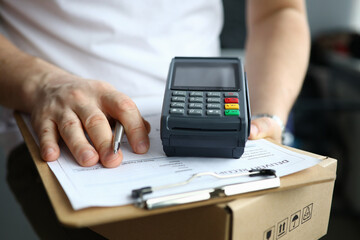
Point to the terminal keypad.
(200, 103)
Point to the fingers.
(99, 131)
(147, 126)
(68, 109)
(265, 128)
(48, 140)
(124, 109)
(71, 131)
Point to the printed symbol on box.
(307, 213)
(269, 234)
(281, 228)
(295, 220)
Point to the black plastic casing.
(206, 136)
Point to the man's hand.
(69, 106)
(265, 128)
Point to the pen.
(118, 133)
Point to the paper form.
(99, 186)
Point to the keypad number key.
(178, 99)
(213, 106)
(179, 93)
(177, 111)
(197, 112)
(196, 99)
(213, 112)
(196, 105)
(196, 94)
(213, 94)
(213, 100)
(177, 105)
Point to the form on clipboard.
(268, 179)
(97, 186)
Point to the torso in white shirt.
(128, 43)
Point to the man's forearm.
(277, 54)
(20, 76)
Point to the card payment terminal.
(206, 110)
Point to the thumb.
(265, 128)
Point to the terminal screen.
(219, 76)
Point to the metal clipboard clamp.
(268, 180)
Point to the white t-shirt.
(126, 43)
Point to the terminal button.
(232, 113)
(196, 105)
(213, 112)
(231, 94)
(196, 99)
(177, 111)
(177, 105)
(195, 112)
(213, 100)
(213, 106)
(232, 106)
(196, 94)
(178, 99)
(213, 94)
(179, 93)
(231, 100)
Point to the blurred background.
(325, 119)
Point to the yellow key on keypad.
(231, 106)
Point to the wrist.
(276, 118)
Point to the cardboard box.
(299, 211)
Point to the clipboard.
(102, 215)
(268, 179)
